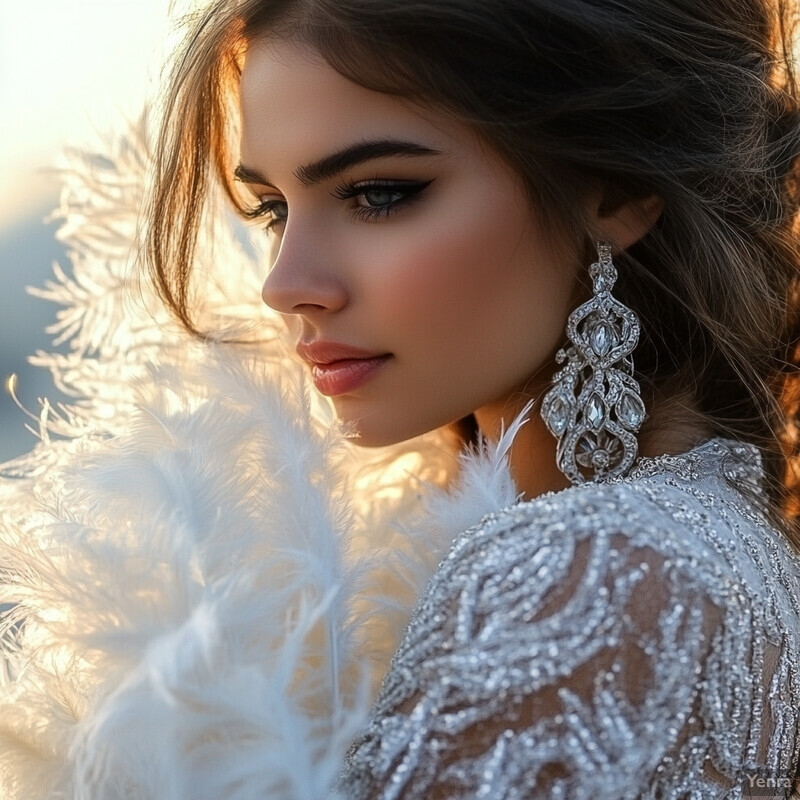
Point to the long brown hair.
(694, 102)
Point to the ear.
(622, 222)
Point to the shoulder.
(686, 515)
(589, 538)
(676, 544)
(575, 566)
(642, 607)
(649, 606)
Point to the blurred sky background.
(69, 71)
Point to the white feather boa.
(204, 580)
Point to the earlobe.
(622, 222)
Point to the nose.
(303, 279)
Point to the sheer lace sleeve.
(567, 652)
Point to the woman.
(448, 187)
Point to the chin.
(372, 438)
(391, 433)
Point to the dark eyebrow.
(336, 163)
(249, 175)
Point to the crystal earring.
(594, 407)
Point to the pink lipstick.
(337, 368)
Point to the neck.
(533, 454)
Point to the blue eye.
(375, 198)
(274, 211)
(380, 198)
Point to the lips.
(338, 368)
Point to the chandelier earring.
(594, 407)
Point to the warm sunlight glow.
(68, 70)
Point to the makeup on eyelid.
(402, 193)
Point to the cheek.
(481, 282)
(444, 269)
(429, 278)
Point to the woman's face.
(407, 260)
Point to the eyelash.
(265, 208)
(409, 191)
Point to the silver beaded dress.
(632, 639)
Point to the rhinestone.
(583, 451)
(557, 417)
(630, 410)
(602, 338)
(596, 411)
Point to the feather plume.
(203, 581)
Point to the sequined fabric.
(632, 639)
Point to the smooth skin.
(422, 245)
